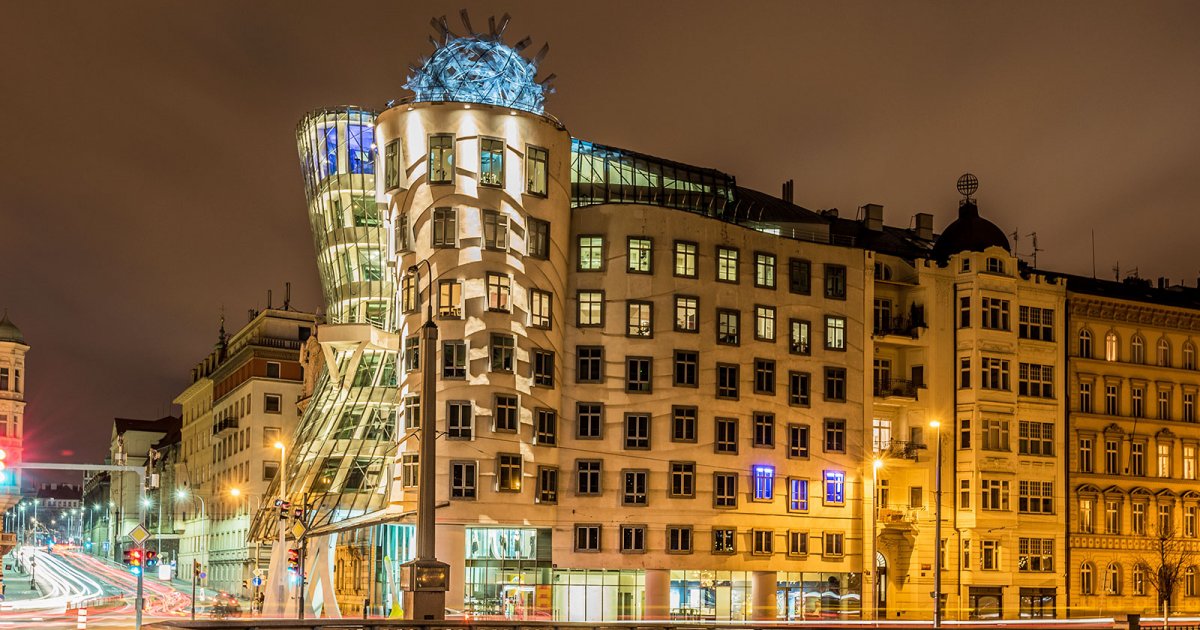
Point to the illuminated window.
(450, 299)
(508, 472)
(728, 323)
(491, 162)
(537, 169)
(591, 253)
(764, 323)
(764, 270)
(687, 313)
(727, 264)
(764, 482)
(835, 487)
(835, 332)
(394, 163)
(540, 309)
(591, 308)
(639, 253)
(724, 540)
(499, 288)
(441, 158)
(639, 319)
(685, 259)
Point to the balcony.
(897, 516)
(896, 388)
(910, 326)
(897, 449)
(227, 423)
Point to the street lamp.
(875, 466)
(280, 580)
(425, 579)
(937, 530)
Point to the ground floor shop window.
(592, 594)
(1037, 603)
(710, 595)
(803, 596)
(985, 602)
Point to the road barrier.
(81, 619)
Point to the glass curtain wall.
(601, 174)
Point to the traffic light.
(298, 514)
(151, 558)
(196, 568)
(283, 507)
(135, 557)
(293, 559)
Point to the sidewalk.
(16, 582)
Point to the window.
(1112, 517)
(835, 332)
(637, 375)
(881, 434)
(1086, 583)
(1035, 380)
(394, 163)
(687, 313)
(994, 314)
(727, 264)
(1114, 579)
(539, 239)
(639, 253)
(505, 415)
(1110, 346)
(834, 545)
(591, 253)
(916, 497)
(964, 372)
(995, 265)
(763, 542)
(1087, 516)
(1038, 324)
(764, 377)
(727, 381)
(964, 312)
(724, 540)
(1189, 521)
(798, 389)
(964, 426)
(543, 368)
(797, 441)
(994, 494)
(724, 490)
(547, 484)
(989, 555)
(835, 436)
(495, 230)
(1189, 407)
(683, 423)
(799, 336)
(797, 495)
(272, 403)
(1139, 580)
(637, 431)
(403, 233)
(1112, 457)
(763, 430)
(679, 539)
(683, 480)
(1164, 404)
(1164, 459)
(460, 422)
(727, 326)
(1035, 497)
(835, 384)
(441, 158)
(1035, 438)
(591, 309)
(587, 538)
(1189, 461)
(964, 494)
(1137, 459)
(1085, 397)
(537, 170)
(1137, 350)
(633, 539)
(835, 282)
(589, 364)
(764, 270)
(270, 436)
(270, 470)
(463, 476)
(410, 470)
(1085, 343)
(411, 412)
(763, 481)
(409, 297)
(445, 227)
(639, 319)
(835, 487)
(764, 323)
(995, 373)
(590, 420)
(685, 259)
(450, 299)
(541, 309)
(499, 287)
(1189, 356)
(454, 359)
(799, 276)
(503, 351)
(508, 472)
(725, 438)
(1137, 521)
(1164, 353)
(1110, 400)
(687, 368)
(491, 162)
(1189, 582)
(587, 475)
(1035, 555)
(545, 427)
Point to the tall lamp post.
(875, 466)
(937, 529)
(425, 579)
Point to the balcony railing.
(896, 449)
(227, 423)
(896, 388)
(910, 326)
(897, 516)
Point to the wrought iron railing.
(896, 387)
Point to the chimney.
(873, 217)
(1162, 282)
(789, 190)
(924, 222)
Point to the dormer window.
(966, 264)
(995, 265)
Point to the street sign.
(258, 573)
(203, 574)
(257, 581)
(139, 534)
(297, 531)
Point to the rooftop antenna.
(1093, 254)
(1117, 271)
(287, 293)
(1036, 249)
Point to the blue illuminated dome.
(480, 68)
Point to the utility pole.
(937, 531)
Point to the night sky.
(150, 174)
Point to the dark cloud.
(150, 177)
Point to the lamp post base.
(425, 583)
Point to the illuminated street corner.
(589, 340)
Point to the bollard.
(81, 620)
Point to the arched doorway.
(880, 586)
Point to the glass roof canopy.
(602, 174)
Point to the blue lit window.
(797, 495)
(329, 161)
(361, 143)
(835, 487)
(764, 482)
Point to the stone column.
(658, 595)
(763, 588)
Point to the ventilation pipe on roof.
(924, 222)
(873, 217)
(789, 190)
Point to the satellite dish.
(967, 185)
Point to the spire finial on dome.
(967, 185)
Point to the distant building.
(130, 504)
(12, 419)
(60, 511)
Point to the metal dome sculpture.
(480, 68)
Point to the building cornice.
(1128, 312)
